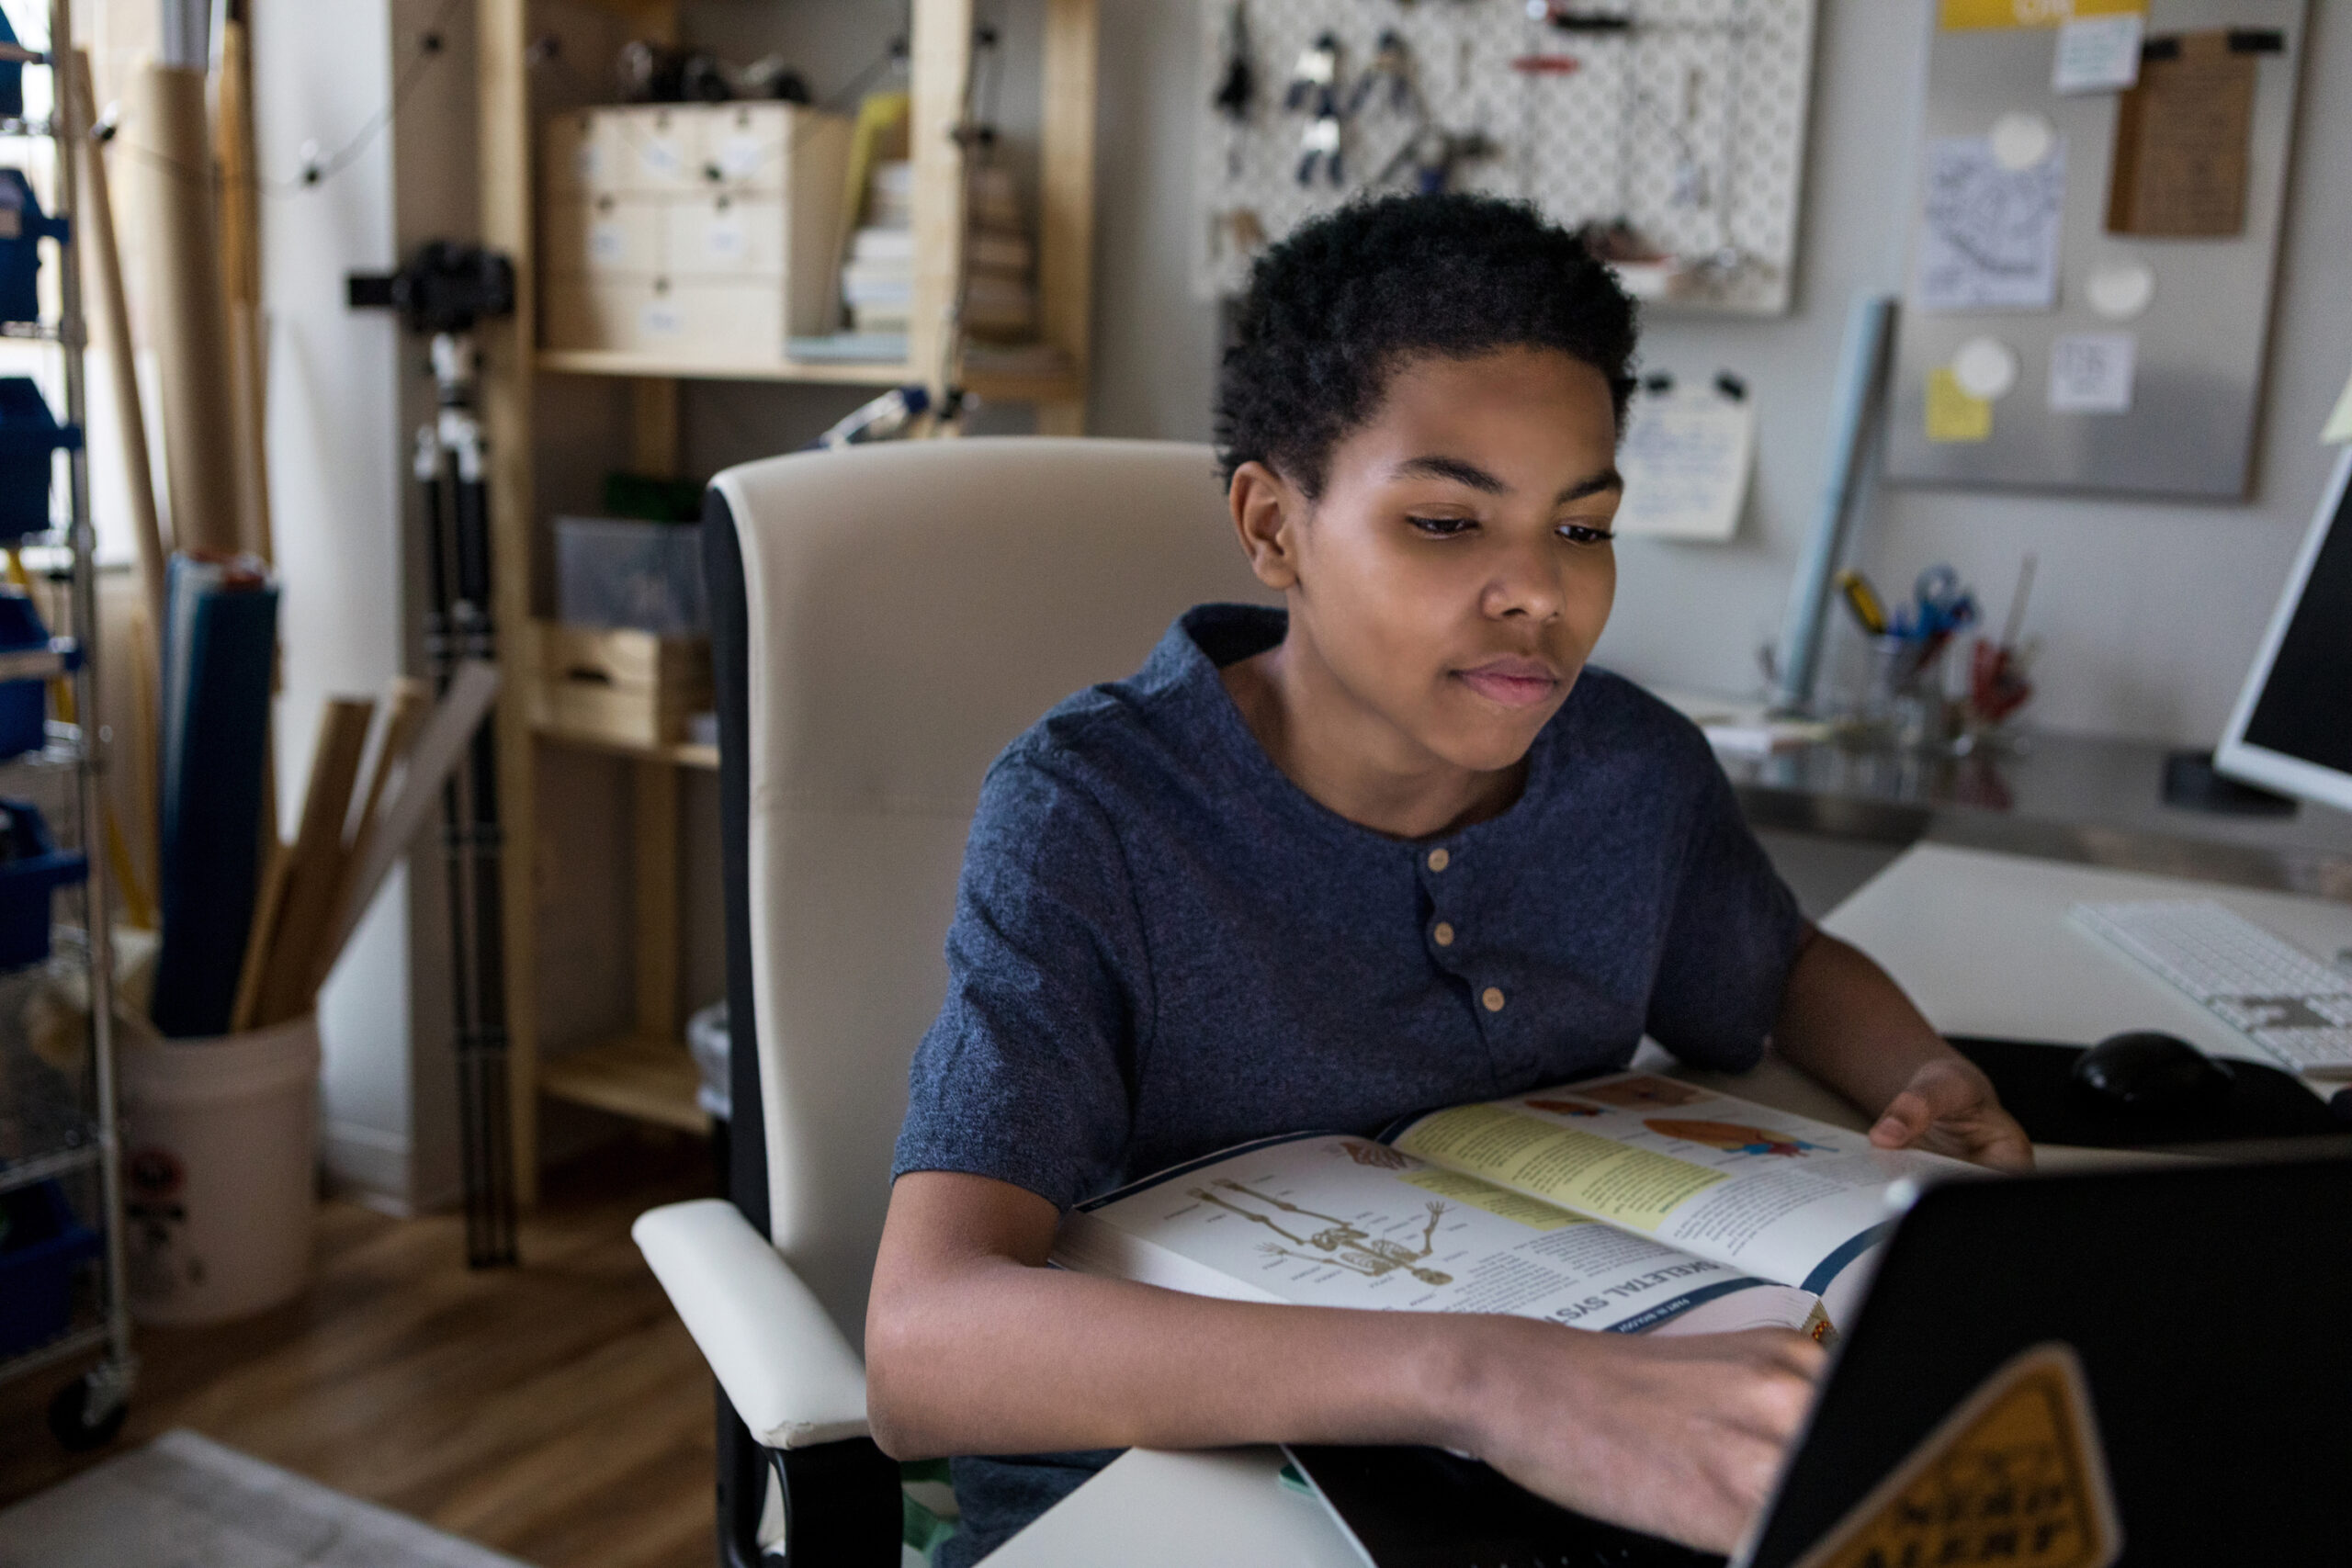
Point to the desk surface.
(1981, 941)
(2067, 797)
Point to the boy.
(1390, 848)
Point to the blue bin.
(28, 435)
(32, 868)
(20, 237)
(43, 1246)
(24, 704)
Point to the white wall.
(2150, 612)
(345, 391)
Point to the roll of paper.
(187, 316)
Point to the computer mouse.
(2149, 1074)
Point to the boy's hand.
(1948, 1108)
(1682, 1438)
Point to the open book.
(1630, 1203)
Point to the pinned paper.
(1953, 413)
(2121, 291)
(1686, 458)
(2091, 372)
(2097, 55)
(1985, 368)
(2184, 140)
(2339, 423)
(2017, 1474)
(1989, 237)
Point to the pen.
(1863, 601)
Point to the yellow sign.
(1953, 413)
(2014, 1475)
(1963, 16)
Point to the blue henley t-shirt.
(1163, 946)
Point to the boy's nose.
(1526, 585)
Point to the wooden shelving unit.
(645, 1072)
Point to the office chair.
(885, 620)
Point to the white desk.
(1981, 943)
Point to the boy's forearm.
(1844, 1022)
(1001, 1358)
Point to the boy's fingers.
(1905, 1119)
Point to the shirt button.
(1439, 859)
(1443, 934)
(1493, 999)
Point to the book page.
(1330, 1220)
(1776, 1195)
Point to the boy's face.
(1457, 569)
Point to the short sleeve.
(1026, 1076)
(1732, 935)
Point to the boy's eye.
(1579, 534)
(1442, 527)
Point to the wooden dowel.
(407, 704)
(97, 216)
(317, 859)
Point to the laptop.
(2138, 1366)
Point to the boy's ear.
(1266, 511)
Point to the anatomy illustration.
(1339, 1242)
(1732, 1138)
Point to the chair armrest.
(788, 1370)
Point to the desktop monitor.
(2292, 728)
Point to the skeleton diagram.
(1348, 1245)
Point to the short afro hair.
(1336, 308)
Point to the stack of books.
(877, 281)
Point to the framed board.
(1682, 119)
(2087, 284)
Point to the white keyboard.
(2272, 992)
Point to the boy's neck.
(1351, 759)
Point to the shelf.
(988, 386)
(647, 1080)
(614, 362)
(42, 1167)
(684, 754)
(56, 1351)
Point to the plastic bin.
(642, 576)
(40, 1252)
(220, 1162)
(31, 869)
(29, 434)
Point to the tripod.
(443, 293)
(458, 626)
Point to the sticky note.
(1953, 414)
(1963, 16)
(2339, 423)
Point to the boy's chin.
(1489, 745)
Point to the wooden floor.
(556, 1411)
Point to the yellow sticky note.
(1963, 16)
(1953, 414)
(2339, 423)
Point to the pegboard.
(1689, 124)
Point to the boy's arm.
(1844, 1020)
(974, 1347)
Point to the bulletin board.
(2087, 287)
(1684, 120)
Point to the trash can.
(219, 1171)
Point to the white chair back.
(910, 608)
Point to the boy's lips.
(1514, 682)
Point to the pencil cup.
(1905, 702)
(219, 1177)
